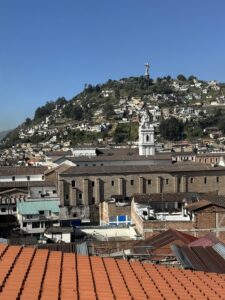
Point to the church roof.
(192, 167)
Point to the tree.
(108, 110)
(192, 78)
(43, 111)
(61, 101)
(171, 129)
(77, 112)
(181, 77)
(90, 89)
(28, 122)
(97, 88)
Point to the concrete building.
(198, 217)
(36, 215)
(22, 174)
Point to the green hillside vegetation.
(126, 132)
(91, 106)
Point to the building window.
(147, 138)
(43, 177)
(36, 225)
(167, 181)
(94, 165)
(28, 178)
(93, 200)
(73, 183)
(205, 180)
(13, 178)
(14, 208)
(132, 182)
(24, 224)
(86, 165)
(67, 196)
(149, 181)
(54, 192)
(217, 179)
(112, 183)
(80, 196)
(102, 165)
(191, 180)
(3, 209)
(93, 183)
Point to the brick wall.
(108, 210)
(209, 219)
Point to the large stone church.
(86, 181)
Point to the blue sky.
(51, 48)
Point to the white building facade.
(146, 137)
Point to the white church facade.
(146, 136)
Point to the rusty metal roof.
(200, 258)
(163, 239)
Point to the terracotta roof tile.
(28, 273)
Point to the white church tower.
(146, 136)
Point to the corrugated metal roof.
(200, 258)
(181, 257)
(82, 248)
(163, 239)
(208, 240)
(220, 249)
(33, 207)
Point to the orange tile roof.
(28, 273)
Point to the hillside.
(3, 134)
(93, 115)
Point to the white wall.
(37, 177)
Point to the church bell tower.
(146, 136)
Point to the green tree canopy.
(108, 110)
(181, 77)
(43, 111)
(171, 129)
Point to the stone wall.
(95, 188)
